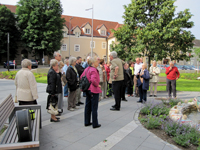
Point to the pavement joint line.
(116, 137)
(71, 114)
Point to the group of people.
(115, 77)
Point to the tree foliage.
(151, 27)
(7, 25)
(41, 25)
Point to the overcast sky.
(113, 10)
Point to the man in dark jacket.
(80, 70)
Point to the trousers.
(171, 87)
(117, 89)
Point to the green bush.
(153, 122)
(194, 136)
(182, 139)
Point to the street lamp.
(69, 32)
(92, 27)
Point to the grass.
(42, 79)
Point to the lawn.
(183, 85)
(42, 79)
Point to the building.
(77, 41)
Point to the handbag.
(51, 110)
(84, 83)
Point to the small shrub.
(153, 122)
(194, 136)
(142, 120)
(182, 139)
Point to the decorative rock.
(179, 103)
(184, 117)
(186, 101)
(175, 107)
(176, 111)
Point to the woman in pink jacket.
(92, 94)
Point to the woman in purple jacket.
(92, 94)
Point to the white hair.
(53, 62)
(113, 54)
(72, 60)
(66, 61)
(55, 54)
(145, 65)
(88, 57)
(25, 63)
(92, 60)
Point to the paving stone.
(77, 146)
(154, 145)
(52, 146)
(168, 148)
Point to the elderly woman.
(66, 62)
(143, 83)
(73, 83)
(154, 72)
(104, 83)
(92, 94)
(26, 85)
(54, 87)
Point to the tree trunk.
(149, 62)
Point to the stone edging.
(135, 118)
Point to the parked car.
(34, 63)
(11, 64)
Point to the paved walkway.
(122, 130)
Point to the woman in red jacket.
(92, 94)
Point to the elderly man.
(117, 77)
(141, 60)
(137, 68)
(80, 70)
(172, 75)
(58, 57)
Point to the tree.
(154, 30)
(7, 25)
(197, 54)
(41, 25)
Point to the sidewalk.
(121, 129)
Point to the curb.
(135, 118)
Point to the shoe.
(88, 124)
(113, 106)
(71, 109)
(150, 95)
(114, 109)
(132, 95)
(77, 104)
(124, 100)
(75, 107)
(57, 118)
(65, 96)
(80, 103)
(51, 120)
(99, 125)
(128, 95)
(155, 96)
(139, 101)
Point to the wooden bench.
(10, 138)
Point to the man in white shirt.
(137, 68)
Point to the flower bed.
(155, 117)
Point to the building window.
(77, 34)
(92, 44)
(65, 34)
(64, 47)
(87, 31)
(103, 45)
(77, 48)
(103, 32)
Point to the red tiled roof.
(79, 21)
(116, 27)
(11, 7)
(85, 24)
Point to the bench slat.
(6, 111)
(9, 130)
(6, 108)
(23, 145)
(37, 126)
(14, 135)
(34, 126)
